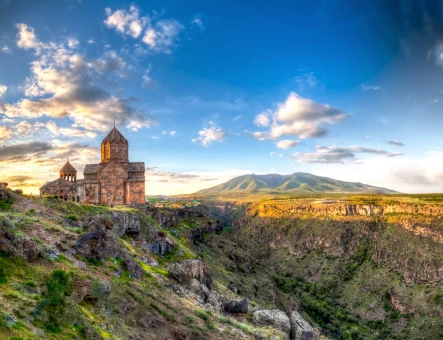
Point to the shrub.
(72, 217)
(204, 315)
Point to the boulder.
(191, 269)
(18, 191)
(235, 307)
(200, 291)
(275, 318)
(214, 302)
(3, 184)
(301, 329)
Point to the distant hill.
(297, 183)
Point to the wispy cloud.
(3, 89)
(335, 154)
(370, 88)
(396, 143)
(197, 21)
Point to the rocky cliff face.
(339, 230)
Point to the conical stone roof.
(114, 135)
(68, 168)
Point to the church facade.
(114, 180)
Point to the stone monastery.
(114, 180)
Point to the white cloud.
(72, 42)
(172, 133)
(90, 41)
(6, 49)
(209, 135)
(126, 22)
(262, 119)
(159, 36)
(27, 38)
(24, 128)
(5, 133)
(197, 21)
(237, 117)
(55, 130)
(287, 143)
(71, 88)
(299, 116)
(3, 89)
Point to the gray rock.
(15, 245)
(235, 307)
(301, 329)
(274, 318)
(191, 269)
(215, 302)
(125, 223)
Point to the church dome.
(115, 146)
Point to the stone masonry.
(114, 180)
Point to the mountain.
(297, 183)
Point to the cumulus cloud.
(209, 135)
(396, 143)
(262, 119)
(24, 128)
(159, 36)
(287, 143)
(67, 85)
(5, 133)
(3, 89)
(27, 39)
(335, 154)
(299, 116)
(6, 49)
(126, 22)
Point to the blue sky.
(205, 91)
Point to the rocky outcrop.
(301, 329)
(168, 218)
(191, 269)
(14, 245)
(236, 307)
(274, 318)
(125, 223)
(98, 245)
(86, 289)
(161, 244)
(3, 185)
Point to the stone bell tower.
(68, 172)
(115, 147)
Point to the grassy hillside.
(296, 184)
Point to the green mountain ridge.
(296, 183)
